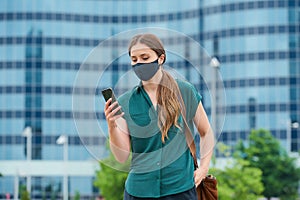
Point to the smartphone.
(109, 93)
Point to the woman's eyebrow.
(140, 55)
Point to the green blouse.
(158, 169)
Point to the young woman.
(151, 128)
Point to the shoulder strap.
(189, 136)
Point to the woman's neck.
(150, 87)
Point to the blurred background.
(255, 46)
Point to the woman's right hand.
(110, 111)
(118, 131)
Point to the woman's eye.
(145, 58)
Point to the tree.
(50, 190)
(280, 173)
(238, 180)
(77, 195)
(24, 193)
(111, 180)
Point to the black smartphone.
(109, 93)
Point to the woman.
(151, 128)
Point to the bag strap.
(189, 136)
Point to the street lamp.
(16, 186)
(63, 140)
(290, 125)
(27, 132)
(215, 64)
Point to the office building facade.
(47, 84)
(257, 43)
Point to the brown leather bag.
(207, 189)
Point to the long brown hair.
(169, 110)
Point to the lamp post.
(16, 186)
(63, 140)
(215, 64)
(290, 125)
(19, 173)
(27, 132)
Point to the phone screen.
(107, 94)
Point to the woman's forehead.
(140, 49)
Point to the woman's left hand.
(199, 175)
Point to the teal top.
(158, 169)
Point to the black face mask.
(145, 71)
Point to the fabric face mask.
(145, 71)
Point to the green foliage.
(280, 174)
(77, 195)
(49, 189)
(238, 180)
(53, 195)
(44, 195)
(111, 180)
(24, 194)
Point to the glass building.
(43, 45)
(258, 45)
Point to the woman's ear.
(161, 59)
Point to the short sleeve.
(191, 98)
